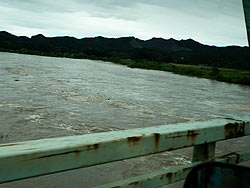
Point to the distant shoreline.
(233, 76)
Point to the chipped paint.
(59, 154)
(233, 130)
(93, 147)
(134, 183)
(156, 140)
(169, 176)
(6, 145)
(191, 135)
(134, 139)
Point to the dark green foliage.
(155, 49)
(216, 74)
(155, 53)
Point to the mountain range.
(156, 49)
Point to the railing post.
(204, 152)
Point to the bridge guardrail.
(46, 156)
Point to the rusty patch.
(89, 147)
(169, 176)
(191, 135)
(231, 119)
(234, 130)
(178, 134)
(134, 139)
(77, 152)
(157, 140)
(134, 183)
(31, 148)
(5, 145)
(94, 146)
(162, 177)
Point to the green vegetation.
(225, 75)
(186, 57)
(234, 76)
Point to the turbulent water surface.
(44, 97)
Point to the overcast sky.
(213, 22)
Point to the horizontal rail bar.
(173, 174)
(40, 157)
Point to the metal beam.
(40, 157)
(246, 6)
(204, 152)
(174, 174)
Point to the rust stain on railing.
(233, 130)
(156, 140)
(94, 146)
(6, 145)
(134, 139)
(191, 135)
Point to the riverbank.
(213, 73)
(234, 76)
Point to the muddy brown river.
(43, 97)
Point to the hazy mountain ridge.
(95, 42)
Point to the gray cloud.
(218, 22)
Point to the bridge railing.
(39, 157)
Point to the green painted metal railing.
(46, 156)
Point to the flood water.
(43, 97)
